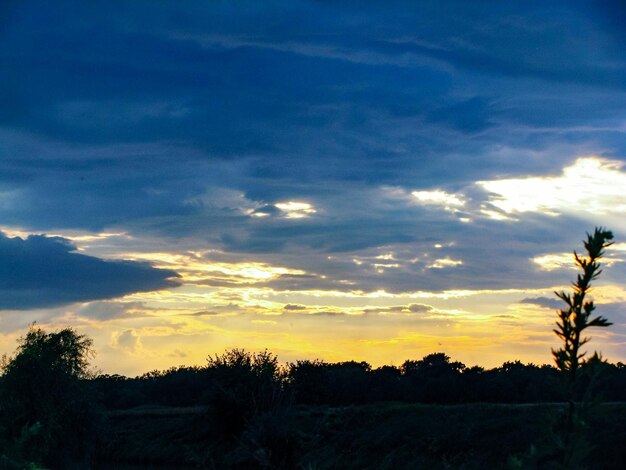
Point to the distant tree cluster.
(259, 380)
(251, 407)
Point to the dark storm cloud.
(46, 272)
(196, 121)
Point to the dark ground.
(380, 436)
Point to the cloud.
(40, 271)
(447, 262)
(591, 185)
(296, 210)
(144, 140)
(524, 42)
(400, 309)
(110, 310)
(545, 302)
(614, 311)
(173, 139)
(127, 340)
(554, 261)
(177, 353)
(437, 197)
(419, 308)
(469, 115)
(294, 307)
(288, 210)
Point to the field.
(382, 436)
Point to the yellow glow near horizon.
(184, 325)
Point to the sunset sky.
(338, 180)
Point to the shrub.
(243, 385)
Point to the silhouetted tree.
(385, 384)
(433, 379)
(433, 365)
(243, 385)
(43, 389)
(308, 381)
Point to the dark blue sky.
(313, 136)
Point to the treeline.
(250, 412)
(432, 379)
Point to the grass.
(382, 436)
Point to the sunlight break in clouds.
(73, 235)
(296, 210)
(437, 197)
(552, 261)
(445, 263)
(591, 184)
(193, 266)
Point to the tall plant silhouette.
(576, 317)
(573, 320)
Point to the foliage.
(577, 316)
(43, 388)
(271, 441)
(315, 382)
(433, 365)
(573, 320)
(433, 378)
(12, 451)
(243, 386)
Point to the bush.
(242, 386)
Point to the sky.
(338, 180)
